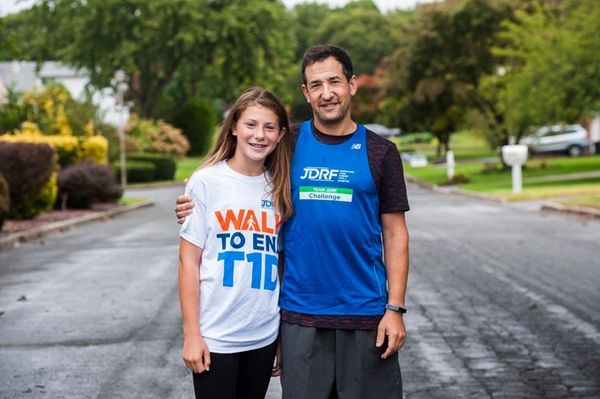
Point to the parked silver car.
(383, 130)
(570, 139)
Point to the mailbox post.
(515, 156)
(450, 164)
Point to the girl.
(228, 287)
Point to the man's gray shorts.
(318, 362)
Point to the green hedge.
(137, 171)
(197, 120)
(164, 164)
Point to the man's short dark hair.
(321, 52)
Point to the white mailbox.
(515, 156)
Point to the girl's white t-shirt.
(235, 223)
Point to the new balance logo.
(355, 146)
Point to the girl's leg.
(220, 382)
(255, 372)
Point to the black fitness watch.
(395, 308)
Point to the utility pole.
(121, 110)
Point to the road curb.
(571, 209)
(14, 239)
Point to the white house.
(24, 76)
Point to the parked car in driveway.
(568, 139)
(383, 130)
(414, 159)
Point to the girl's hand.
(196, 355)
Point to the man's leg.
(361, 373)
(308, 361)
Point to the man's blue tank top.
(333, 248)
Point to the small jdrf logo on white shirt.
(355, 146)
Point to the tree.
(8, 49)
(362, 30)
(154, 42)
(552, 66)
(436, 70)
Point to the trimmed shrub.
(85, 183)
(66, 147)
(4, 200)
(94, 148)
(69, 149)
(169, 140)
(137, 171)
(40, 202)
(159, 137)
(12, 113)
(164, 164)
(198, 120)
(29, 170)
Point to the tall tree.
(551, 64)
(436, 69)
(155, 41)
(8, 50)
(362, 30)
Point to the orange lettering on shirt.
(230, 218)
(265, 223)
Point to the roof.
(23, 75)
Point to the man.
(341, 323)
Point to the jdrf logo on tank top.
(329, 175)
(249, 237)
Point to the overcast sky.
(9, 6)
(384, 5)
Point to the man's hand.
(392, 327)
(276, 372)
(183, 207)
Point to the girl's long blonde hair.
(277, 162)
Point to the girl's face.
(258, 133)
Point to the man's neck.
(342, 128)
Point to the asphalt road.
(503, 303)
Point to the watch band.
(395, 308)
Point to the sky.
(384, 5)
(10, 6)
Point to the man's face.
(328, 91)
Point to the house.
(23, 76)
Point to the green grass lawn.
(486, 176)
(497, 181)
(466, 145)
(187, 166)
(473, 160)
(130, 200)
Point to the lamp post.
(121, 88)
